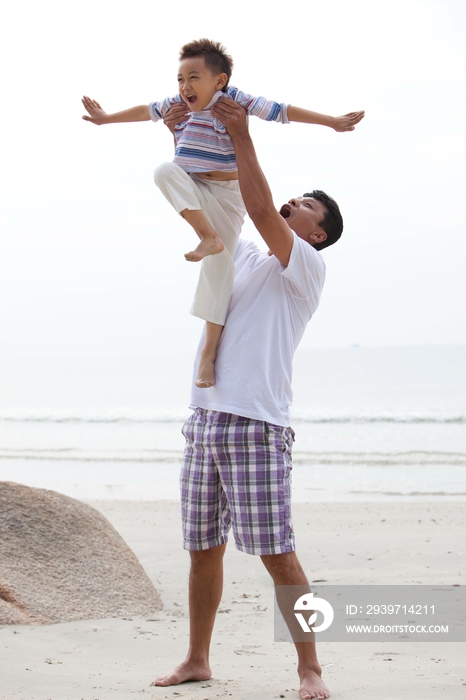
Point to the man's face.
(197, 85)
(303, 215)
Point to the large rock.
(61, 560)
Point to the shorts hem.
(219, 320)
(193, 546)
(284, 548)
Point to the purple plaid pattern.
(236, 473)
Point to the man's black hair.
(332, 223)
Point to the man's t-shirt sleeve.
(305, 272)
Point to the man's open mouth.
(285, 211)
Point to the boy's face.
(196, 83)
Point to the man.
(237, 464)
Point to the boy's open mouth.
(191, 99)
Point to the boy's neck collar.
(214, 99)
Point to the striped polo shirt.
(202, 142)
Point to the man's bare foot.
(312, 685)
(206, 373)
(186, 671)
(209, 245)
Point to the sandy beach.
(346, 543)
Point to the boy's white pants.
(223, 206)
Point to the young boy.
(202, 182)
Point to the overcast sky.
(91, 256)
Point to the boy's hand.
(232, 115)
(175, 115)
(97, 114)
(348, 121)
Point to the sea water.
(370, 423)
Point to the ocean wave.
(459, 419)
(409, 494)
(70, 454)
(412, 457)
(114, 417)
(299, 458)
(73, 417)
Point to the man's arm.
(254, 187)
(345, 123)
(98, 116)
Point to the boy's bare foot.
(209, 245)
(186, 671)
(312, 686)
(206, 373)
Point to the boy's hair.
(332, 223)
(215, 56)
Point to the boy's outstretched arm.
(98, 116)
(345, 123)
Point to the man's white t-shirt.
(270, 308)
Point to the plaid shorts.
(236, 473)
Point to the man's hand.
(348, 121)
(232, 115)
(96, 113)
(175, 115)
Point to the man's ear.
(318, 235)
